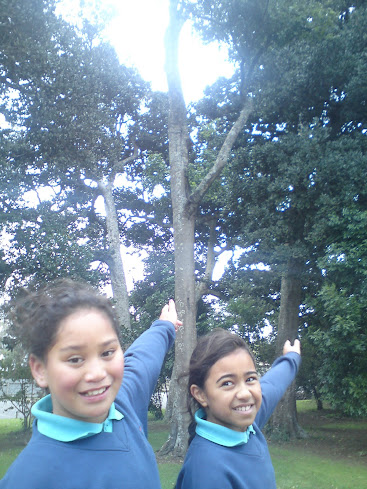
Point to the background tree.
(185, 207)
(74, 116)
(291, 90)
(340, 334)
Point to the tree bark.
(116, 266)
(184, 229)
(284, 423)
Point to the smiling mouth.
(95, 392)
(243, 408)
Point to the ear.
(39, 370)
(199, 395)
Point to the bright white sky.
(137, 33)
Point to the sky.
(137, 33)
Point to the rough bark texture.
(284, 423)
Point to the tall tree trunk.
(284, 423)
(116, 266)
(185, 205)
(184, 238)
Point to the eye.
(251, 379)
(108, 353)
(75, 360)
(227, 383)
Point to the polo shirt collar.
(221, 435)
(66, 429)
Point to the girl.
(228, 450)
(90, 431)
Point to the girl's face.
(84, 368)
(231, 395)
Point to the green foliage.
(341, 336)
(295, 173)
(148, 299)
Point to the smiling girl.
(231, 404)
(91, 430)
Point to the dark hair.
(209, 349)
(37, 316)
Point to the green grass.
(6, 458)
(9, 426)
(306, 406)
(158, 433)
(346, 425)
(8, 444)
(168, 473)
(298, 465)
(295, 469)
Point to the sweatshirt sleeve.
(275, 382)
(143, 363)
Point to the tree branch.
(222, 158)
(119, 165)
(202, 286)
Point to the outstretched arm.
(276, 380)
(169, 313)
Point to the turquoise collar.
(66, 429)
(221, 435)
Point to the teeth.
(95, 392)
(243, 408)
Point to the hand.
(169, 313)
(296, 347)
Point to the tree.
(73, 112)
(340, 334)
(291, 89)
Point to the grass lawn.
(333, 456)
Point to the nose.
(95, 370)
(243, 393)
